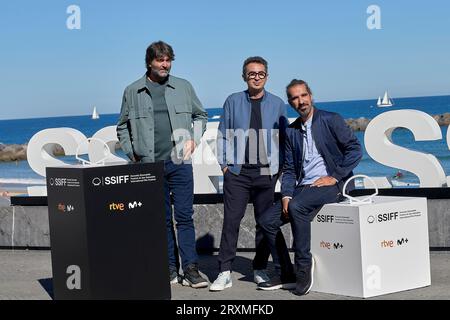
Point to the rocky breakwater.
(360, 124)
(17, 152)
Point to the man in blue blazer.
(320, 153)
(252, 123)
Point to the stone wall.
(32, 230)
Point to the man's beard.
(304, 114)
(157, 73)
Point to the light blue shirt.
(234, 130)
(313, 164)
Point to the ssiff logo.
(383, 217)
(106, 181)
(96, 181)
(325, 218)
(59, 182)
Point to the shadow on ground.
(209, 266)
(47, 284)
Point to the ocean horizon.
(370, 102)
(20, 131)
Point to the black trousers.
(237, 190)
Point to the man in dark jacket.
(320, 153)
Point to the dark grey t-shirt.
(163, 129)
(255, 156)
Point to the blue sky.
(48, 70)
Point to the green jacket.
(135, 128)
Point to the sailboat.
(386, 102)
(95, 114)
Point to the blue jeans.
(179, 183)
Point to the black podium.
(108, 232)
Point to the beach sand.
(7, 193)
(5, 197)
(10, 190)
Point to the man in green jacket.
(162, 119)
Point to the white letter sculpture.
(379, 145)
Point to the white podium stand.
(366, 250)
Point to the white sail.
(385, 98)
(95, 114)
(386, 102)
(379, 101)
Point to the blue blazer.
(335, 141)
(233, 130)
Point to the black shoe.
(193, 278)
(277, 282)
(304, 280)
(173, 275)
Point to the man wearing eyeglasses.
(320, 153)
(251, 125)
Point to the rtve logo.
(392, 244)
(65, 208)
(328, 245)
(106, 181)
(116, 207)
(121, 206)
(325, 218)
(383, 217)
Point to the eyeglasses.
(252, 75)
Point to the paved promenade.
(27, 275)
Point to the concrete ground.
(26, 274)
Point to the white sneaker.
(260, 276)
(174, 279)
(223, 281)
